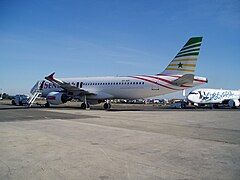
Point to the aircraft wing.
(185, 79)
(65, 85)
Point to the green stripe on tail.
(185, 61)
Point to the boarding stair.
(36, 94)
(34, 97)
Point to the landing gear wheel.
(47, 105)
(107, 106)
(13, 103)
(85, 105)
(88, 105)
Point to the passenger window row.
(114, 83)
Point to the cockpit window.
(193, 93)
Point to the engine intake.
(57, 98)
(233, 103)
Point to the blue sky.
(110, 37)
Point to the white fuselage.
(128, 87)
(212, 96)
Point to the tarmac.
(128, 142)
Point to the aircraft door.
(79, 85)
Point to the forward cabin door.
(79, 84)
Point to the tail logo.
(180, 65)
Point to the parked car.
(20, 100)
(179, 104)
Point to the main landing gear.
(214, 106)
(85, 104)
(107, 105)
(47, 105)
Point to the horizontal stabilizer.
(185, 79)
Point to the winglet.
(50, 77)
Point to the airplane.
(177, 76)
(215, 97)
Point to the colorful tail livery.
(185, 61)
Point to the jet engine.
(57, 98)
(233, 103)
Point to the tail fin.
(185, 61)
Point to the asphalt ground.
(128, 142)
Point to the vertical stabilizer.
(185, 61)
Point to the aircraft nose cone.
(190, 97)
(193, 97)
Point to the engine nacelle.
(57, 98)
(233, 103)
